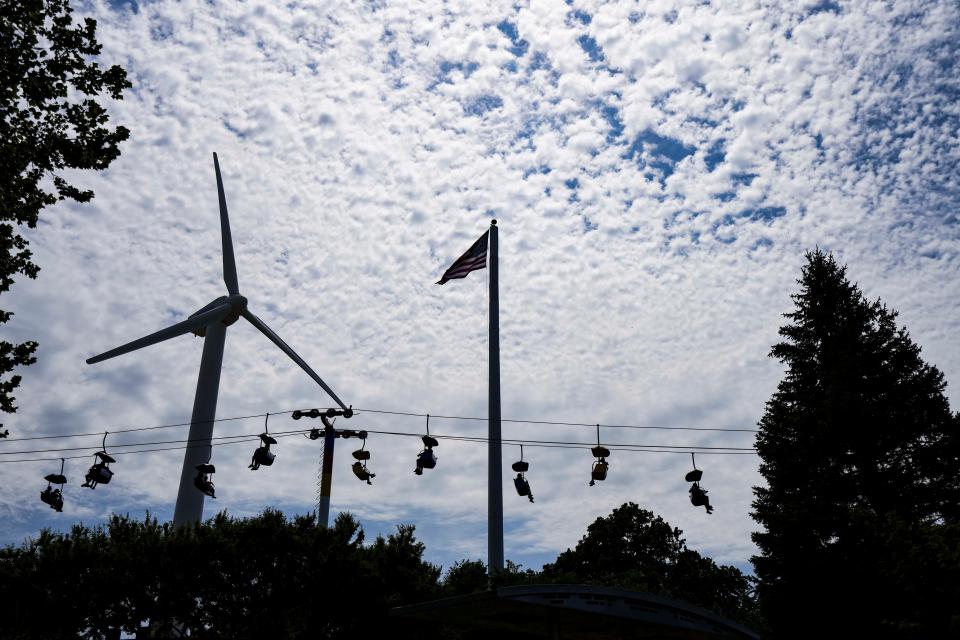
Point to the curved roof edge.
(578, 604)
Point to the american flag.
(475, 258)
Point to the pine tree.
(860, 453)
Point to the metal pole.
(189, 508)
(494, 470)
(326, 477)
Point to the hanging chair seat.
(522, 486)
(52, 497)
(99, 474)
(599, 471)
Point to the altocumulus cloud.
(657, 170)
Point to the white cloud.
(355, 172)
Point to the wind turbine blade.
(229, 263)
(202, 319)
(277, 340)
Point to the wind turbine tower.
(210, 323)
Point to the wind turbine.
(210, 323)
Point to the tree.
(634, 549)
(465, 577)
(50, 120)
(860, 453)
(267, 576)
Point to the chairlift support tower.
(211, 323)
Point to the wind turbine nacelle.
(237, 304)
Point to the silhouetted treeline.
(266, 577)
(274, 577)
(861, 454)
(632, 548)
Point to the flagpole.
(494, 470)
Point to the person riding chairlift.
(426, 459)
(698, 497)
(522, 486)
(361, 472)
(52, 497)
(202, 480)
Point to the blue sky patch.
(670, 148)
(612, 115)
(767, 214)
(582, 16)
(662, 153)
(591, 48)
(519, 45)
(123, 5)
(539, 60)
(715, 155)
(482, 104)
(825, 6)
(446, 67)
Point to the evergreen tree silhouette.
(860, 453)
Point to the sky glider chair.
(263, 456)
(598, 473)
(100, 472)
(202, 480)
(362, 456)
(54, 497)
(427, 459)
(698, 495)
(520, 482)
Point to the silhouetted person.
(425, 460)
(204, 484)
(52, 497)
(523, 487)
(99, 473)
(698, 497)
(599, 471)
(361, 472)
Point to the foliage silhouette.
(861, 455)
(50, 120)
(227, 578)
(270, 576)
(634, 549)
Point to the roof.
(575, 612)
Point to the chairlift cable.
(397, 413)
(230, 439)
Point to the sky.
(657, 170)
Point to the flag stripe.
(475, 258)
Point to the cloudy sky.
(658, 170)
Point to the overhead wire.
(249, 437)
(557, 423)
(385, 412)
(134, 429)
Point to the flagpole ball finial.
(493, 222)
